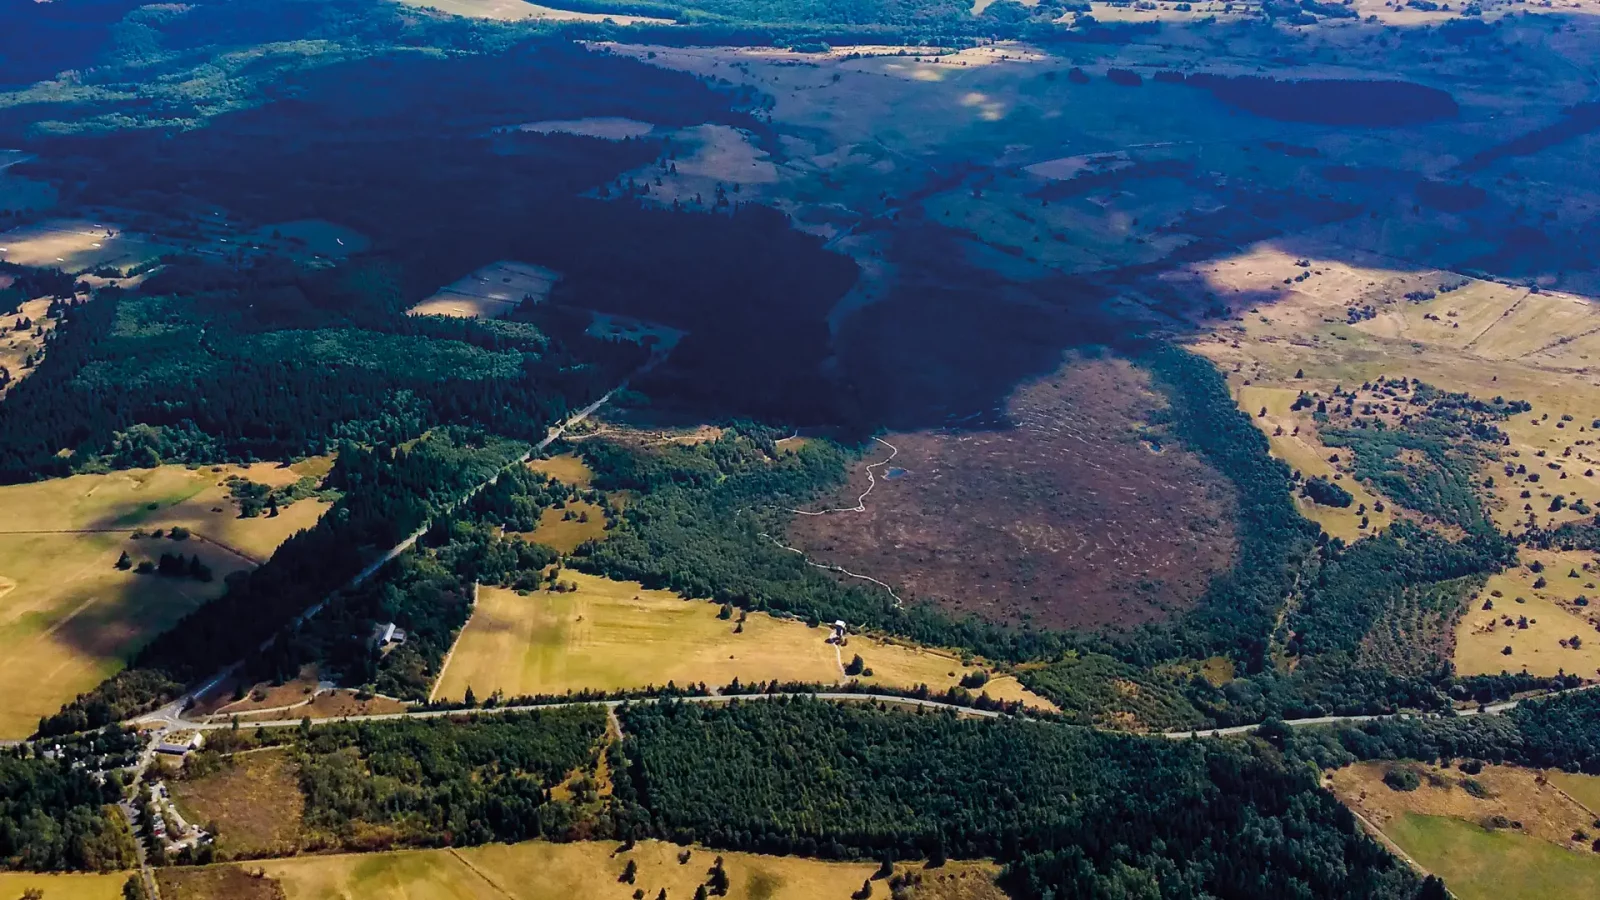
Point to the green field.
(1494, 865)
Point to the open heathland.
(70, 616)
(216, 883)
(1351, 321)
(608, 635)
(1071, 510)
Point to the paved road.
(843, 695)
(1489, 709)
(608, 704)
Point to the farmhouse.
(180, 744)
(387, 634)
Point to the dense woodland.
(1553, 733)
(441, 782)
(56, 817)
(1073, 812)
(426, 782)
(193, 369)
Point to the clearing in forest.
(567, 528)
(491, 291)
(1549, 629)
(253, 799)
(543, 871)
(1504, 832)
(69, 617)
(1069, 513)
(567, 468)
(607, 635)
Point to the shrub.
(1402, 779)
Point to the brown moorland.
(1072, 514)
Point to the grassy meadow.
(1479, 864)
(69, 618)
(543, 871)
(610, 634)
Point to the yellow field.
(541, 871)
(568, 468)
(68, 617)
(1482, 635)
(1585, 789)
(64, 887)
(610, 634)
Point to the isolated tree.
(123, 562)
(700, 892)
(856, 665)
(629, 872)
(470, 699)
(865, 892)
(272, 506)
(718, 882)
